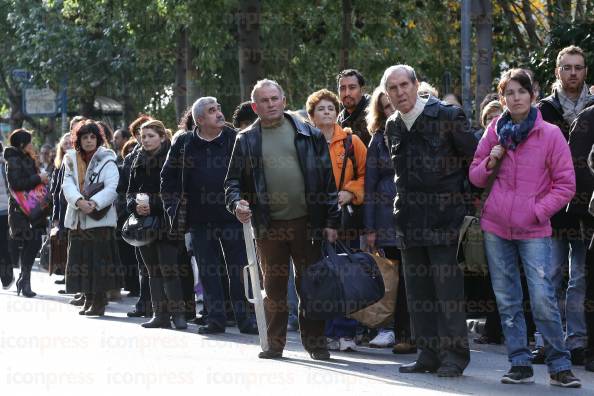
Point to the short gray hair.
(264, 83)
(412, 75)
(199, 105)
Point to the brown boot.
(97, 305)
(87, 299)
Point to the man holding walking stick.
(280, 178)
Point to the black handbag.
(141, 230)
(93, 188)
(340, 284)
(351, 216)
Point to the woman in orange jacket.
(322, 108)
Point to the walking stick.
(251, 273)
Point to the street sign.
(21, 75)
(40, 102)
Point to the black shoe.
(248, 327)
(23, 285)
(449, 370)
(519, 375)
(589, 364)
(159, 321)
(78, 300)
(60, 281)
(538, 356)
(319, 354)
(416, 367)
(135, 314)
(210, 329)
(200, 321)
(8, 285)
(179, 320)
(577, 356)
(270, 355)
(565, 379)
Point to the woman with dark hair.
(22, 173)
(534, 179)
(161, 255)
(93, 264)
(380, 191)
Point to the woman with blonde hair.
(160, 256)
(380, 192)
(59, 202)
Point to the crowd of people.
(395, 173)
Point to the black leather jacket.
(431, 163)
(246, 180)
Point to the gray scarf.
(571, 109)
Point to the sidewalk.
(47, 347)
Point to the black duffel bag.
(340, 284)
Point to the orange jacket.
(336, 147)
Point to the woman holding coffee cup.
(93, 264)
(160, 256)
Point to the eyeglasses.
(567, 68)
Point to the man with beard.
(354, 102)
(570, 96)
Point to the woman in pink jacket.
(536, 179)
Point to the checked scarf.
(511, 135)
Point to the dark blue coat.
(380, 191)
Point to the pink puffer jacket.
(535, 181)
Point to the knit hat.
(19, 138)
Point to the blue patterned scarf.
(511, 135)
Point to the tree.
(250, 50)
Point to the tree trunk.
(509, 15)
(579, 11)
(530, 24)
(86, 106)
(193, 90)
(180, 89)
(484, 34)
(250, 51)
(347, 27)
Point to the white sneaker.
(333, 344)
(347, 344)
(384, 339)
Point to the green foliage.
(563, 35)
(126, 49)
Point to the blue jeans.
(535, 254)
(573, 251)
(207, 242)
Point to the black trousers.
(6, 265)
(25, 248)
(435, 293)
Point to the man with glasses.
(570, 96)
